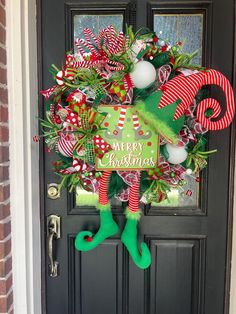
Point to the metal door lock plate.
(53, 191)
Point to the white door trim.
(24, 156)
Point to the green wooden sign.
(135, 146)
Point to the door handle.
(53, 234)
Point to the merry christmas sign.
(134, 145)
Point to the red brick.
(5, 267)
(5, 230)
(4, 173)
(3, 95)
(3, 76)
(5, 285)
(2, 16)
(5, 303)
(4, 134)
(3, 55)
(4, 154)
(4, 211)
(2, 35)
(5, 249)
(4, 192)
(3, 114)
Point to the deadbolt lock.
(53, 191)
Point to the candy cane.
(60, 77)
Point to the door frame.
(24, 155)
(23, 75)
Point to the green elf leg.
(85, 240)
(142, 257)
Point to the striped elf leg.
(85, 240)
(142, 257)
(117, 133)
(136, 122)
(122, 117)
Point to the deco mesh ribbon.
(163, 87)
(99, 73)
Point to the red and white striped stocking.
(103, 188)
(134, 196)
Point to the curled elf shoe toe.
(142, 257)
(86, 241)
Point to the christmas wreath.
(127, 119)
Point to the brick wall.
(6, 295)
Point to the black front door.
(188, 239)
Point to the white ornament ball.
(144, 74)
(177, 154)
(189, 171)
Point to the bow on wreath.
(100, 48)
(83, 145)
(88, 144)
(172, 174)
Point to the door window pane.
(186, 196)
(96, 23)
(85, 198)
(186, 28)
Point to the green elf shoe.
(142, 257)
(85, 241)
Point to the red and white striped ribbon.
(103, 188)
(48, 92)
(120, 43)
(81, 42)
(215, 77)
(185, 89)
(89, 34)
(110, 34)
